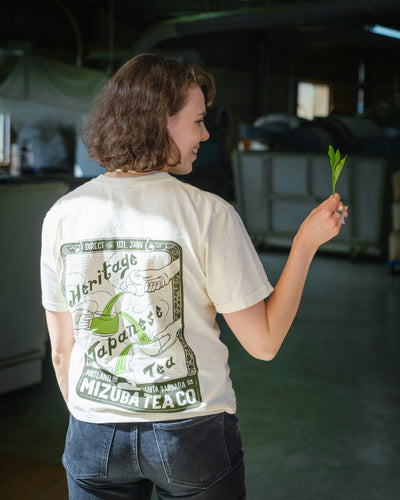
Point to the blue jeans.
(198, 459)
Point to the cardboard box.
(394, 246)
(396, 186)
(396, 216)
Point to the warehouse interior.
(293, 77)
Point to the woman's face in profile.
(187, 130)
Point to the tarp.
(42, 80)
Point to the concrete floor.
(321, 421)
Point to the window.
(312, 100)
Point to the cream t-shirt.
(143, 264)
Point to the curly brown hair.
(127, 125)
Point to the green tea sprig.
(336, 164)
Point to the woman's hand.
(322, 224)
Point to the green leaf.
(337, 157)
(336, 164)
(331, 153)
(339, 167)
(336, 172)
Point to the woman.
(135, 265)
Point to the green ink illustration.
(126, 299)
(120, 367)
(106, 324)
(143, 338)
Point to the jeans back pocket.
(87, 448)
(194, 452)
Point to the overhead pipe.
(262, 17)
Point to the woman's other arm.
(262, 328)
(61, 334)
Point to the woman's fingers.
(324, 222)
(342, 212)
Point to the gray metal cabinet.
(23, 332)
(276, 191)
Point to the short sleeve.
(235, 276)
(52, 296)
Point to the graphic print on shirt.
(126, 299)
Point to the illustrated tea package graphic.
(126, 297)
